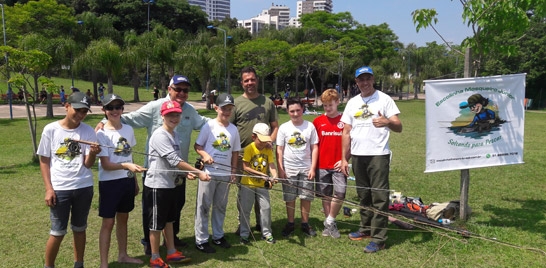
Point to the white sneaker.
(331, 230)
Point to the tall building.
(310, 6)
(277, 16)
(215, 9)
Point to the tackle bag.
(446, 210)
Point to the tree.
(172, 14)
(46, 18)
(134, 55)
(161, 46)
(267, 55)
(23, 64)
(201, 57)
(488, 19)
(309, 58)
(103, 55)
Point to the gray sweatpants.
(213, 193)
(246, 196)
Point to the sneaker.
(288, 230)
(222, 242)
(244, 240)
(177, 257)
(206, 248)
(331, 230)
(306, 229)
(158, 263)
(147, 249)
(373, 247)
(357, 236)
(269, 239)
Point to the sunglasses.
(111, 108)
(178, 90)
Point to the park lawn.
(508, 211)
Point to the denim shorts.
(76, 202)
(304, 187)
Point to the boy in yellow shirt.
(258, 162)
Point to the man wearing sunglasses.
(149, 117)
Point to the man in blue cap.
(369, 117)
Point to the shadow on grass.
(13, 169)
(527, 216)
(198, 257)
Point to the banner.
(474, 122)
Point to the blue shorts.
(116, 196)
(76, 202)
(161, 207)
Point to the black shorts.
(161, 206)
(116, 196)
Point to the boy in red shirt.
(332, 183)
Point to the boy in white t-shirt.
(117, 181)
(297, 154)
(218, 144)
(65, 165)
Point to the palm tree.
(134, 56)
(103, 55)
(202, 57)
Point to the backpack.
(414, 204)
(446, 210)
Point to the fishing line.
(413, 222)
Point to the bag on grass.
(446, 210)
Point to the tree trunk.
(207, 95)
(49, 101)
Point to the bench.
(278, 103)
(15, 97)
(308, 102)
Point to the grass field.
(508, 212)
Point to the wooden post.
(465, 173)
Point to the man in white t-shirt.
(369, 117)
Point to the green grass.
(507, 203)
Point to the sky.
(396, 13)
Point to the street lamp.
(147, 61)
(225, 54)
(10, 93)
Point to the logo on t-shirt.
(222, 143)
(259, 162)
(122, 147)
(297, 140)
(363, 113)
(69, 149)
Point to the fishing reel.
(199, 164)
(269, 183)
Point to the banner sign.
(474, 122)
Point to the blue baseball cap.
(177, 79)
(363, 70)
